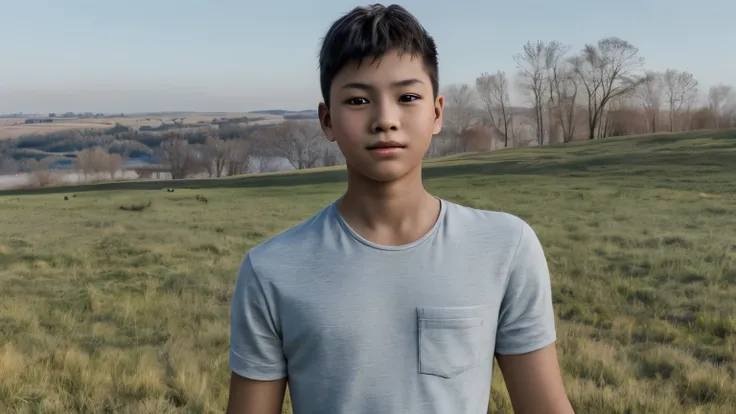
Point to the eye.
(408, 98)
(357, 101)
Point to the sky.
(129, 56)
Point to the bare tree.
(460, 113)
(493, 90)
(113, 162)
(239, 157)
(623, 117)
(607, 70)
(729, 110)
(563, 91)
(717, 98)
(84, 164)
(702, 118)
(650, 93)
(532, 66)
(182, 158)
(525, 131)
(268, 164)
(93, 161)
(566, 91)
(680, 88)
(216, 151)
(99, 160)
(40, 170)
(298, 141)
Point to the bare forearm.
(534, 382)
(255, 397)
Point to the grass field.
(107, 310)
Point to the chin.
(385, 173)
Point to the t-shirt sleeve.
(255, 343)
(526, 318)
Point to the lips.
(386, 145)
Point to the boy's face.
(382, 115)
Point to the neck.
(389, 213)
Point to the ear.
(325, 121)
(439, 107)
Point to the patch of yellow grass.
(16, 127)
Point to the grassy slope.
(105, 309)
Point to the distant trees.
(650, 93)
(239, 157)
(40, 172)
(183, 159)
(216, 152)
(607, 70)
(129, 148)
(532, 66)
(92, 161)
(461, 113)
(226, 157)
(718, 98)
(728, 117)
(114, 163)
(564, 88)
(493, 91)
(238, 151)
(300, 142)
(680, 89)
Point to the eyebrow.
(365, 86)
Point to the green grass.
(107, 310)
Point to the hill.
(11, 128)
(107, 309)
(305, 114)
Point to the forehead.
(385, 70)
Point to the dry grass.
(15, 127)
(106, 310)
(15, 131)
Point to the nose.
(386, 118)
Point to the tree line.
(599, 91)
(298, 143)
(215, 152)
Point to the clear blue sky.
(227, 55)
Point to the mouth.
(385, 146)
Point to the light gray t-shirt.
(363, 328)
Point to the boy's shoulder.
(293, 242)
(486, 222)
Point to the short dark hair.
(373, 31)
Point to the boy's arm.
(259, 376)
(534, 382)
(525, 340)
(249, 396)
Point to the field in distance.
(16, 127)
(110, 310)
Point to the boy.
(391, 300)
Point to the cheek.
(348, 125)
(421, 121)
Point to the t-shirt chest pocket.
(452, 340)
